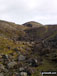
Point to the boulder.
(21, 69)
(1, 74)
(21, 58)
(23, 74)
(5, 56)
(11, 64)
(5, 70)
(33, 62)
(16, 74)
(2, 67)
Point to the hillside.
(27, 49)
(32, 24)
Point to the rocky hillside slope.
(27, 49)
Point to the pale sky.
(21, 11)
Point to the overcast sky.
(21, 11)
